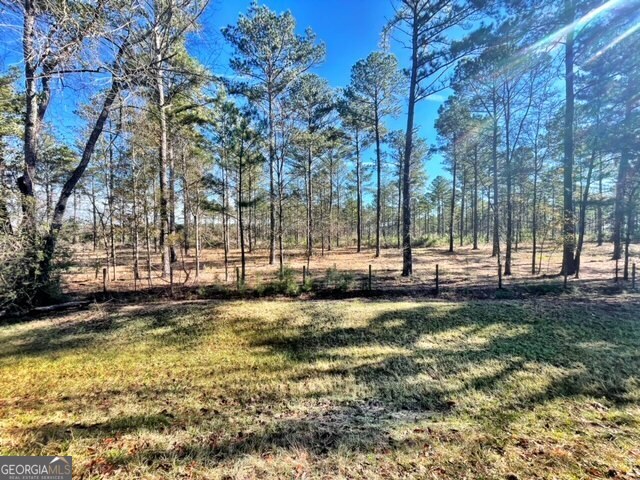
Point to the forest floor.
(467, 272)
(359, 388)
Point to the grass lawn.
(329, 389)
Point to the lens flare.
(630, 31)
(551, 41)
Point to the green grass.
(329, 389)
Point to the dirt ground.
(464, 269)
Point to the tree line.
(539, 133)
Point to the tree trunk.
(509, 175)
(309, 203)
(225, 222)
(487, 215)
(26, 181)
(147, 238)
(110, 201)
(338, 220)
(72, 181)
(378, 182)
(358, 197)
(439, 217)
(600, 223)
(172, 204)
(281, 222)
(534, 219)
(94, 216)
(162, 160)
(134, 212)
(123, 229)
(452, 208)
(583, 213)
(399, 207)
(621, 184)
(631, 224)
(250, 235)
(494, 157)
(475, 197)
(462, 195)
(330, 206)
(196, 222)
(272, 194)
(407, 260)
(568, 223)
(240, 217)
(155, 215)
(186, 205)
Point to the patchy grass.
(329, 389)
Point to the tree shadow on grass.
(64, 431)
(427, 369)
(592, 353)
(181, 325)
(426, 361)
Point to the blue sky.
(350, 29)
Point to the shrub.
(308, 284)
(339, 280)
(424, 242)
(19, 269)
(286, 284)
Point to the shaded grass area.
(329, 389)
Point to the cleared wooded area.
(535, 143)
(466, 273)
(380, 239)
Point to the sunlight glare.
(554, 39)
(634, 28)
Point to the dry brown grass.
(466, 268)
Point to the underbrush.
(425, 242)
(339, 280)
(21, 287)
(286, 284)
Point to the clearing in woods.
(462, 270)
